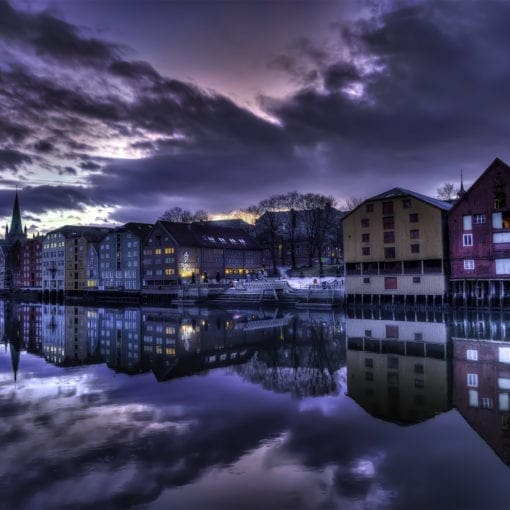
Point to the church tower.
(16, 231)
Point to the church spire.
(462, 191)
(16, 226)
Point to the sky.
(114, 111)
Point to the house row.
(404, 246)
(132, 257)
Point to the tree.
(268, 226)
(447, 191)
(319, 217)
(180, 215)
(351, 203)
(293, 203)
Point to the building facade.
(479, 226)
(396, 244)
(31, 263)
(66, 263)
(120, 255)
(177, 252)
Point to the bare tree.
(180, 215)
(351, 203)
(293, 202)
(447, 191)
(268, 226)
(319, 215)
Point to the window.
(169, 271)
(365, 238)
(497, 220)
(389, 252)
(369, 363)
(390, 282)
(393, 362)
(501, 237)
(389, 237)
(466, 222)
(413, 218)
(504, 355)
(368, 333)
(418, 368)
(416, 279)
(365, 250)
(473, 398)
(387, 207)
(366, 280)
(388, 222)
(406, 203)
(472, 380)
(419, 383)
(502, 266)
(472, 354)
(369, 208)
(365, 223)
(414, 234)
(478, 218)
(369, 376)
(467, 239)
(469, 264)
(504, 402)
(415, 248)
(487, 403)
(169, 250)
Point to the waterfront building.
(396, 244)
(176, 252)
(120, 255)
(31, 263)
(479, 232)
(67, 258)
(10, 248)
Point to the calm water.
(252, 409)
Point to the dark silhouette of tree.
(447, 191)
(180, 215)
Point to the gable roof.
(91, 234)
(141, 230)
(401, 193)
(497, 162)
(207, 236)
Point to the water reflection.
(263, 408)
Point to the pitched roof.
(141, 230)
(207, 236)
(402, 192)
(92, 234)
(495, 163)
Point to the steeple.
(16, 226)
(462, 191)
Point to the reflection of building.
(481, 368)
(398, 370)
(176, 251)
(395, 244)
(181, 344)
(120, 255)
(121, 340)
(31, 326)
(70, 335)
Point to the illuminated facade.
(180, 251)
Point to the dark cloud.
(50, 36)
(43, 146)
(11, 159)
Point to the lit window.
(504, 354)
(157, 251)
(169, 250)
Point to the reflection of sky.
(86, 436)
